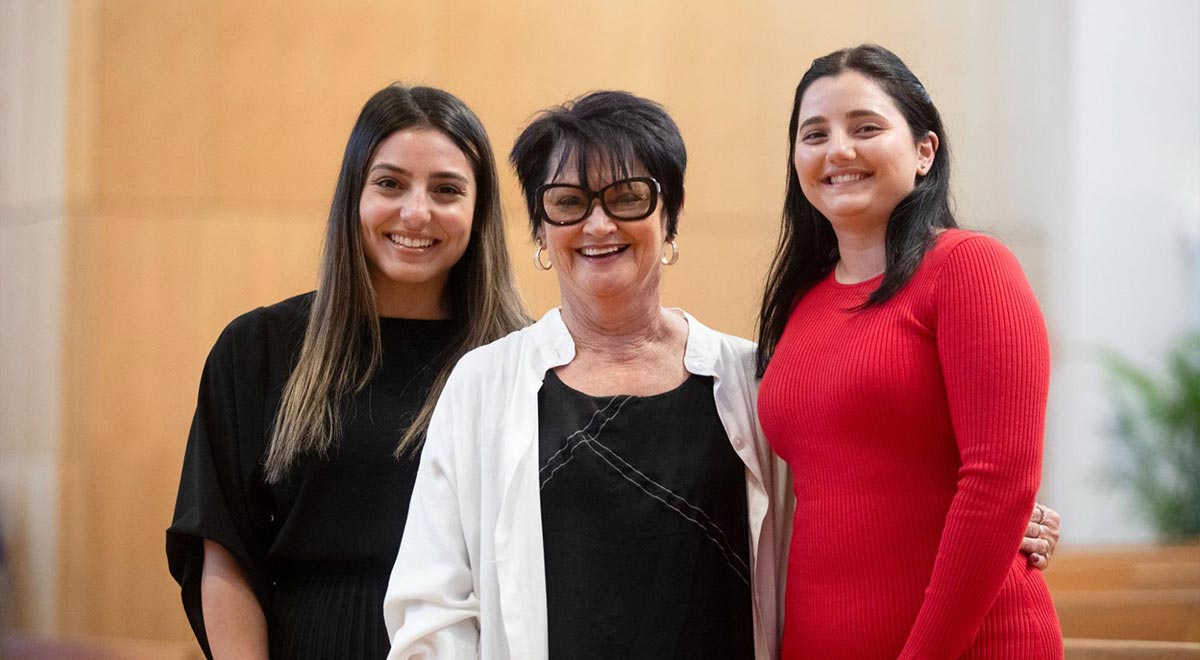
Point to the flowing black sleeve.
(221, 496)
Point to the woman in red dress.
(905, 368)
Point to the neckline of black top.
(400, 321)
(553, 378)
(430, 327)
(423, 335)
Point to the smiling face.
(415, 214)
(855, 156)
(602, 260)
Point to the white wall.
(33, 101)
(1122, 260)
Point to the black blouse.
(317, 547)
(645, 526)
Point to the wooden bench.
(95, 648)
(1126, 567)
(1171, 615)
(1121, 649)
(1128, 593)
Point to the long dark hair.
(341, 348)
(808, 248)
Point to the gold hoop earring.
(537, 260)
(670, 261)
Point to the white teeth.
(597, 252)
(846, 178)
(411, 242)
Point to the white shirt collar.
(554, 346)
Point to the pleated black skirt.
(335, 613)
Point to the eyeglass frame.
(593, 195)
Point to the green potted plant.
(1157, 422)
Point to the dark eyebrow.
(436, 175)
(853, 114)
(811, 120)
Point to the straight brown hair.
(341, 348)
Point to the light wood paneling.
(155, 302)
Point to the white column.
(33, 97)
(1122, 261)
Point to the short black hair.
(613, 127)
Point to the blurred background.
(166, 165)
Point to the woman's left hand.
(1041, 536)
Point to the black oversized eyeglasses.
(565, 204)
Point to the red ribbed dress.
(914, 434)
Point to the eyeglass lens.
(627, 199)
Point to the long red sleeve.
(914, 433)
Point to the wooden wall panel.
(205, 138)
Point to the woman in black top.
(644, 525)
(301, 457)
